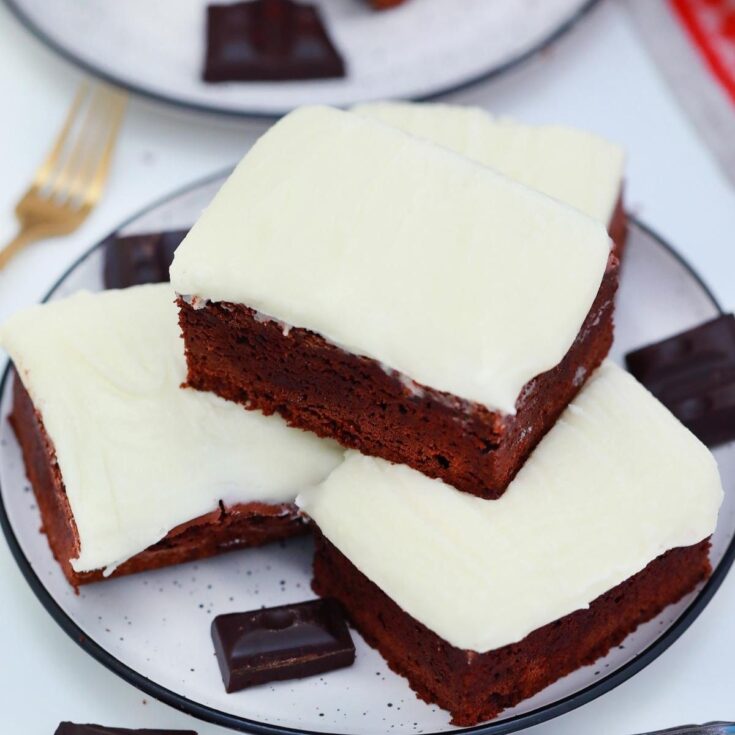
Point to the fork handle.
(23, 238)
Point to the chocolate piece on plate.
(286, 642)
(70, 728)
(693, 374)
(138, 259)
(268, 40)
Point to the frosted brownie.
(395, 296)
(573, 166)
(385, 4)
(481, 604)
(131, 471)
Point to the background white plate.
(153, 628)
(427, 47)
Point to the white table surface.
(599, 78)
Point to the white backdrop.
(598, 78)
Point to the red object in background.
(711, 25)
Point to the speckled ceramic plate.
(156, 47)
(153, 629)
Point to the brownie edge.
(476, 687)
(225, 529)
(232, 351)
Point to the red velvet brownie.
(447, 333)
(130, 471)
(385, 4)
(225, 529)
(314, 385)
(606, 524)
(477, 687)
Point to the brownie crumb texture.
(477, 687)
(316, 386)
(225, 529)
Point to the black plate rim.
(490, 74)
(217, 717)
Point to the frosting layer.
(616, 482)
(573, 166)
(138, 454)
(399, 250)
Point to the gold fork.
(70, 181)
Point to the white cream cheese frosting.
(399, 250)
(573, 166)
(614, 484)
(138, 454)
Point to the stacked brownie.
(371, 277)
(395, 296)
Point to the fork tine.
(71, 178)
(62, 181)
(51, 161)
(99, 169)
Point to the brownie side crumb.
(618, 228)
(225, 529)
(314, 385)
(476, 687)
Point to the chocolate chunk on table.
(138, 259)
(693, 374)
(286, 642)
(69, 728)
(268, 40)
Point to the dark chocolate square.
(268, 40)
(693, 374)
(139, 259)
(69, 728)
(286, 642)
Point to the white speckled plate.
(153, 629)
(156, 47)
